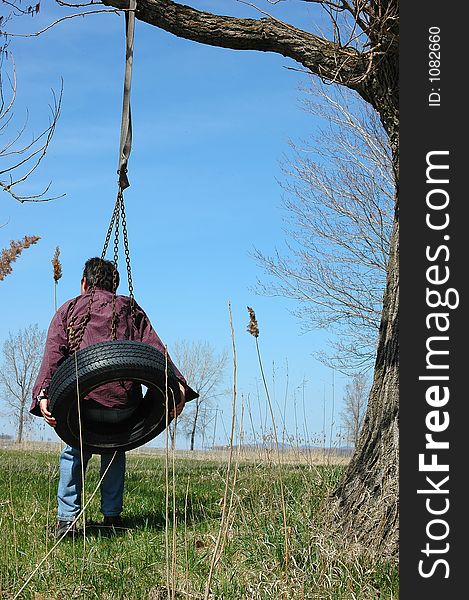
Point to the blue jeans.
(70, 483)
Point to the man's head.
(99, 273)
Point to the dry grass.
(248, 454)
(133, 564)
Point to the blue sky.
(210, 130)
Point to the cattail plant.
(9, 255)
(253, 329)
(56, 272)
(253, 326)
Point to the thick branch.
(322, 57)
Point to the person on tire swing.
(99, 282)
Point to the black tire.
(120, 360)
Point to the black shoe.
(65, 529)
(115, 521)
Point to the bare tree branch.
(39, 32)
(333, 60)
(339, 207)
(32, 153)
(320, 56)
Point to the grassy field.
(176, 521)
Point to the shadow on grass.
(142, 522)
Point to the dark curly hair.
(99, 273)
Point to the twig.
(263, 12)
(32, 154)
(186, 548)
(65, 18)
(166, 468)
(222, 531)
(173, 456)
(76, 5)
(82, 466)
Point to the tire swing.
(107, 430)
(106, 362)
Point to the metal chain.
(110, 228)
(114, 318)
(77, 331)
(127, 260)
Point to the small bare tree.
(355, 402)
(203, 368)
(339, 204)
(22, 355)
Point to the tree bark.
(366, 501)
(19, 432)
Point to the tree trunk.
(194, 424)
(19, 431)
(366, 501)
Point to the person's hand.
(44, 408)
(175, 411)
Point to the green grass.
(133, 563)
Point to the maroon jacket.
(98, 329)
